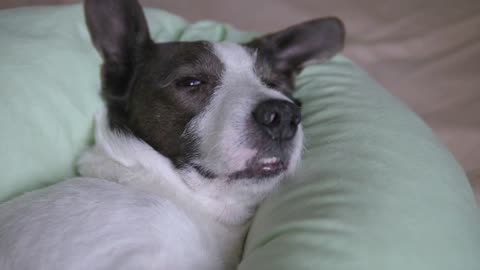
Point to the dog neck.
(125, 159)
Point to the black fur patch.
(159, 109)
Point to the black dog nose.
(279, 119)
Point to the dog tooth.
(269, 160)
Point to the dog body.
(194, 136)
(88, 223)
(149, 219)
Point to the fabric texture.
(376, 190)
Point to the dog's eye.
(271, 84)
(189, 82)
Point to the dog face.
(221, 112)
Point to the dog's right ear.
(119, 31)
(291, 49)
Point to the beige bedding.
(427, 52)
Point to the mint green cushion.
(376, 190)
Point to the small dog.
(194, 136)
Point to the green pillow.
(376, 190)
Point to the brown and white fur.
(193, 137)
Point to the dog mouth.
(255, 169)
(262, 168)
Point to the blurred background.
(427, 52)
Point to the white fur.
(149, 215)
(86, 222)
(132, 162)
(96, 224)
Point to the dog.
(194, 135)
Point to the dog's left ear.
(119, 31)
(291, 49)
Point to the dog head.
(223, 113)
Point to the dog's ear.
(118, 28)
(291, 49)
(119, 31)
